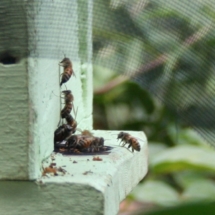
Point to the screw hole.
(7, 59)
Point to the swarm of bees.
(65, 141)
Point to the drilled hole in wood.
(8, 59)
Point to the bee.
(82, 143)
(64, 133)
(66, 110)
(60, 134)
(68, 96)
(132, 142)
(77, 142)
(71, 122)
(98, 143)
(67, 70)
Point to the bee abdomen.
(84, 144)
(65, 78)
(72, 122)
(66, 110)
(62, 132)
(134, 143)
(69, 118)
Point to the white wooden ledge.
(87, 187)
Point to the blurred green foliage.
(127, 35)
(197, 208)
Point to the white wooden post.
(37, 35)
(34, 38)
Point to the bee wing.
(93, 150)
(61, 144)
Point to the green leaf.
(186, 136)
(155, 148)
(155, 192)
(203, 189)
(182, 158)
(188, 177)
(197, 208)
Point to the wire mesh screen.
(167, 46)
(40, 28)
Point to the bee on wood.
(78, 142)
(98, 143)
(132, 142)
(83, 143)
(67, 70)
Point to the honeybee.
(83, 143)
(97, 145)
(68, 96)
(66, 110)
(71, 122)
(60, 134)
(67, 70)
(126, 138)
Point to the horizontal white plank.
(87, 187)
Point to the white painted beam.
(38, 34)
(88, 187)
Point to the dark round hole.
(7, 59)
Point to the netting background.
(167, 47)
